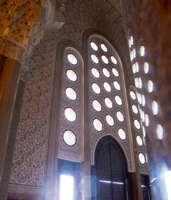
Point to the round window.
(71, 75)
(116, 85)
(71, 94)
(93, 46)
(97, 125)
(155, 107)
(95, 72)
(137, 124)
(120, 116)
(122, 134)
(146, 68)
(96, 88)
(150, 86)
(132, 95)
(107, 87)
(141, 158)
(115, 72)
(135, 67)
(94, 59)
(142, 51)
(72, 59)
(105, 59)
(70, 114)
(159, 131)
(103, 47)
(96, 105)
(106, 72)
(139, 140)
(113, 59)
(108, 102)
(135, 109)
(109, 120)
(118, 100)
(69, 138)
(147, 120)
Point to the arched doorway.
(111, 171)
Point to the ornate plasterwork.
(30, 154)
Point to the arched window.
(71, 100)
(137, 115)
(108, 111)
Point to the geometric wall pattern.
(29, 159)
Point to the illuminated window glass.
(66, 181)
(69, 138)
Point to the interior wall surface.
(31, 147)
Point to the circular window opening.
(142, 115)
(139, 98)
(147, 120)
(105, 59)
(150, 86)
(122, 134)
(107, 87)
(159, 131)
(141, 158)
(94, 59)
(142, 51)
(97, 125)
(143, 129)
(96, 88)
(146, 68)
(96, 105)
(71, 75)
(131, 55)
(138, 82)
(70, 114)
(115, 72)
(135, 67)
(108, 102)
(139, 140)
(69, 138)
(103, 47)
(116, 85)
(134, 53)
(106, 72)
(132, 95)
(93, 46)
(113, 59)
(155, 108)
(71, 94)
(95, 72)
(118, 100)
(72, 59)
(143, 100)
(135, 109)
(109, 120)
(120, 116)
(137, 124)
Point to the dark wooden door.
(111, 170)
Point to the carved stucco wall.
(30, 152)
(29, 161)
